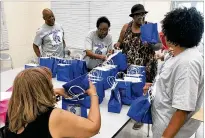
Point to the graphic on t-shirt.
(55, 38)
(99, 49)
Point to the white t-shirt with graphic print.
(50, 39)
(97, 46)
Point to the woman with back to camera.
(31, 111)
(138, 53)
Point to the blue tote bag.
(111, 72)
(149, 33)
(124, 88)
(77, 86)
(114, 70)
(47, 62)
(104, 73)
(76, 90)
(64, 72)
(76, 68)
(140, 110)
(87, 101)
(137, 71)
(56, 62)
(120, 60)
(115, 103)
(79, 67)
(82, 66)
(100, 91)
(137, 89)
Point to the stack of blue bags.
(65, 70)
(128, 88)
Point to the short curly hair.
(102, 19)
(183, 27)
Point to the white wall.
(23, 18)
(157, 9)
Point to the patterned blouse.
(139, 54)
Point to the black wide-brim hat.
(138, 8)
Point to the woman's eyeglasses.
(104, 29)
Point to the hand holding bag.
(81, 85)
(140, 109)
(99, 85)
(77, 102)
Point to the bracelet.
(94, 95)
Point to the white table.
(111, 123)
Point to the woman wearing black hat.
(138, 53)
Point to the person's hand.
(108, 54)
(92, 90)
(69, 52)
(157, 56)
(145, 44)
(60, 92)
(117, 45)
(103, 57)
(160, 56)
(146, 88)
(111, 51)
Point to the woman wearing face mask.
(138, 53)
